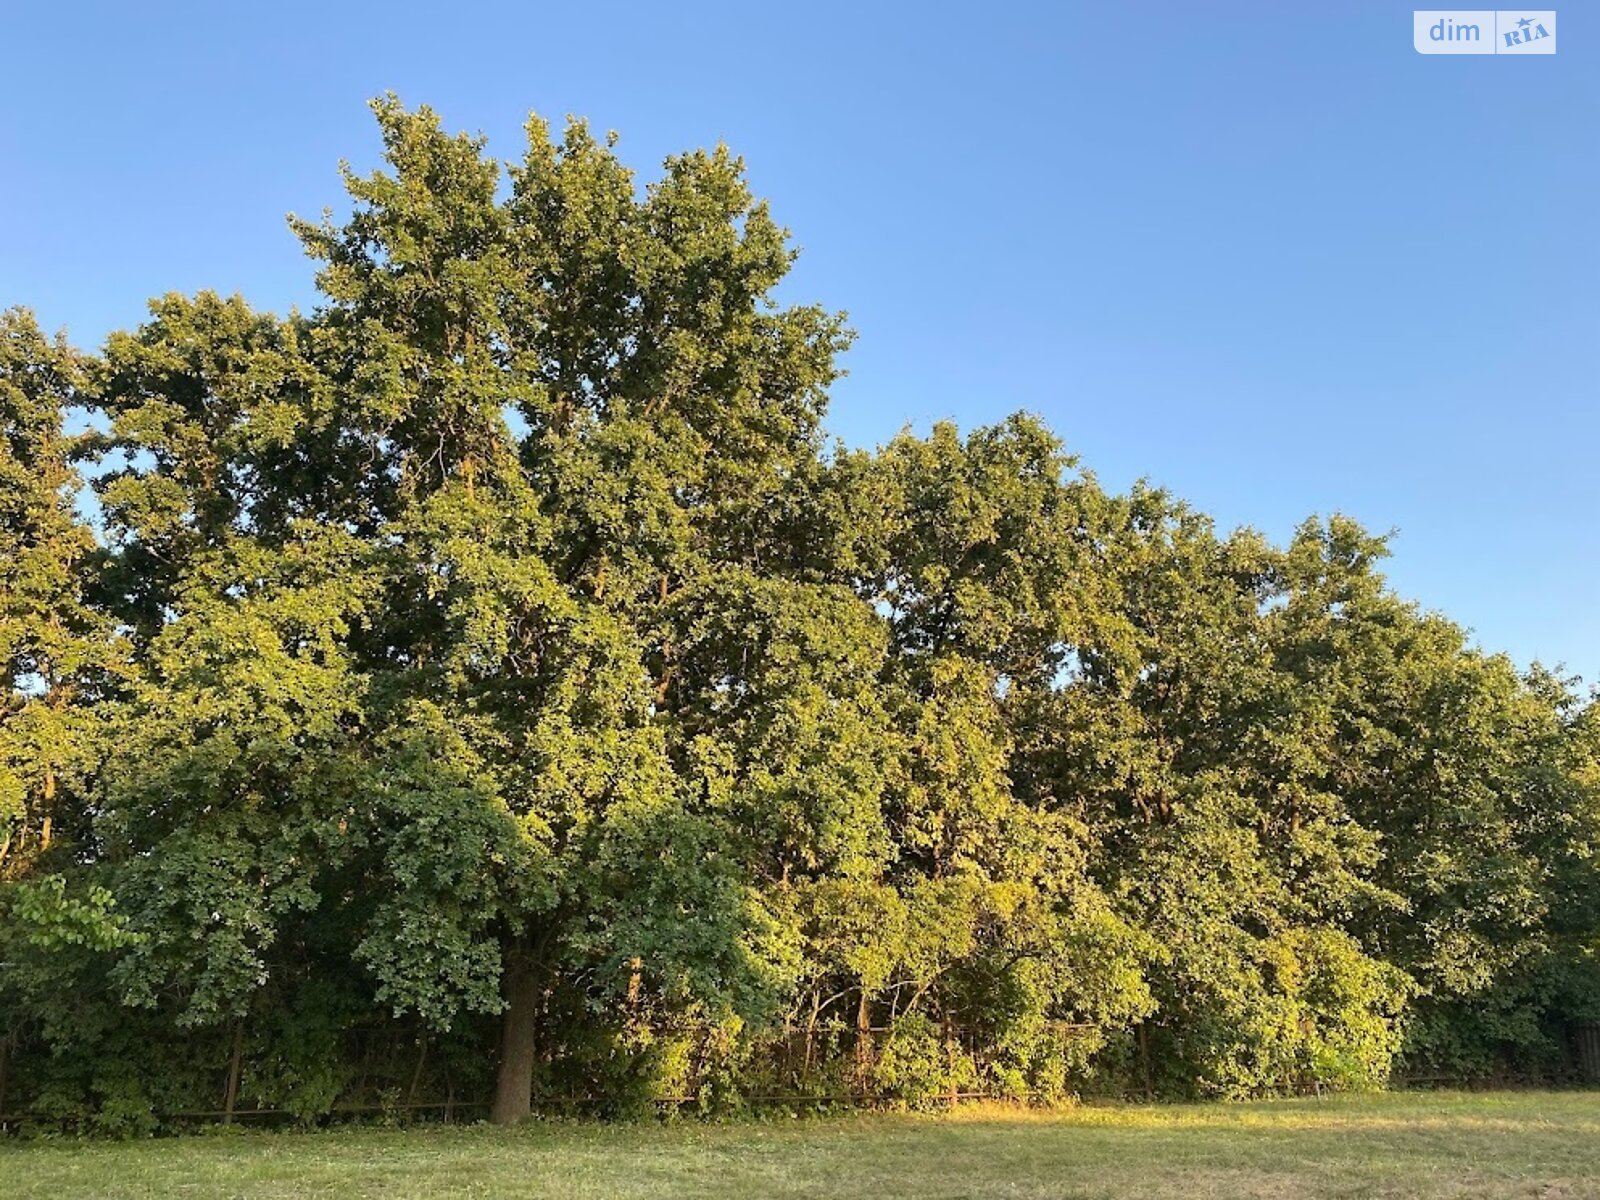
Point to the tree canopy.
(494, 686)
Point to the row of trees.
(493, 684)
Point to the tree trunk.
(1144, 1060)
(811, 1031)
(231, 1095)
(950, 1051)
(864, 1041)
(513, 1093)
(5, 1062)
(416, 1075)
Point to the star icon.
(1525, 22)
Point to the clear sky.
(1264, 254)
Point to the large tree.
(588, 405)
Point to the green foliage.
(918, 1066)
(492, 678)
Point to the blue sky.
(1263, 254)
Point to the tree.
(492, 680)
(660, 403)
(56, 651)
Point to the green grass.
(1533, 1144)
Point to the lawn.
(1424, 1145)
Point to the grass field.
(1525, 1144)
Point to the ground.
(1506, 1144)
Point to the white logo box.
(1484, 31)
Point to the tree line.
(495, 685)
